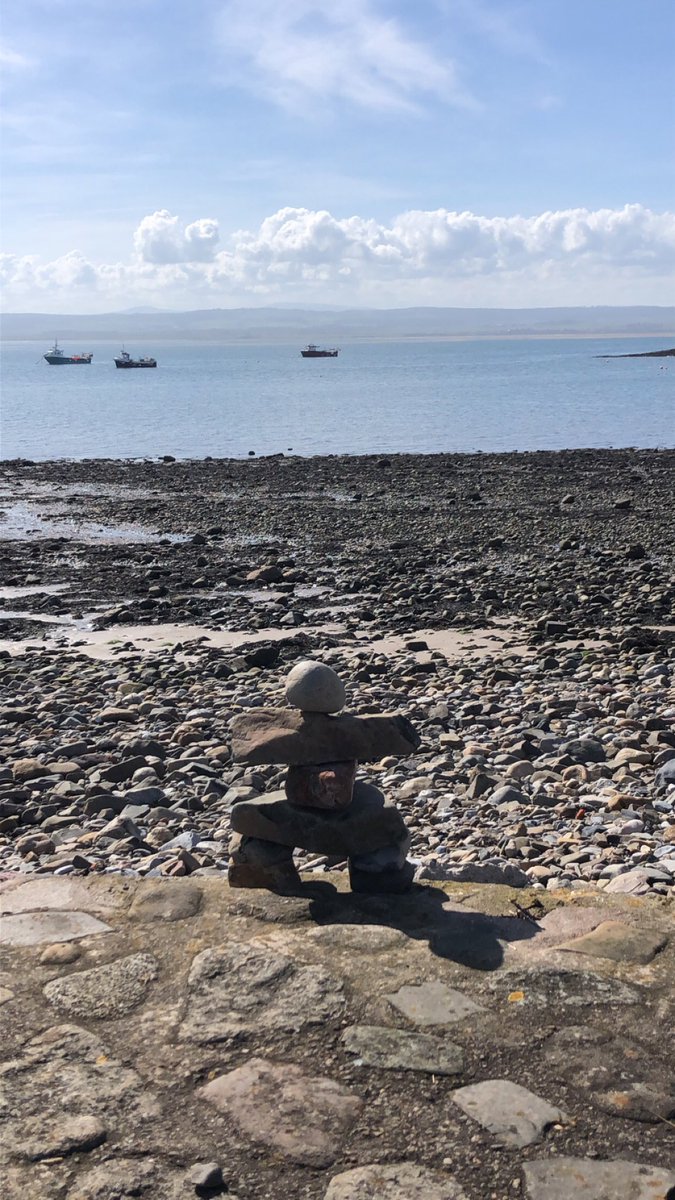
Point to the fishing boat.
(124, 360)
(312, 351)
(56, 358)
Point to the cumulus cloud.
(312, 50)
(160, 238)
(69, 271)
(302, 244)
(571, 256)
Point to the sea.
(376, 397)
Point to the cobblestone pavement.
(169, 1038)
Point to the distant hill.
(297, 324)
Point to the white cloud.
(298, 243)
(160, 238)
(306, 51)
(439, 257)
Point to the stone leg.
(255, 863)
(385, 870)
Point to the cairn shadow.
(464, 936)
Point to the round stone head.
(315, 687)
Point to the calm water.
(394, 396)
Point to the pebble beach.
(518, 608)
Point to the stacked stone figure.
(321, 808)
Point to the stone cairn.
(322, 808)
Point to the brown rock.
(165, 902)
(258, 852)
(259, 864)
(393, 1181)
(285, 881)
(329, 785)
(620, 942)
(117, 714)
(67, 769)
(35, 843)
(280, 735)
(28, 768)
(63, 1136)
(305, 1117)
(60, 953)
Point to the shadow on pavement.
(461, 935)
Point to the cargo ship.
(56, 358)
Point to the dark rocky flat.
(644, 354)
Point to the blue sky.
(219, 152)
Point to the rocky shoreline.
(517, 607)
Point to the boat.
(124, 360)
(56, 358)
(312, 351)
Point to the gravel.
(548, 752)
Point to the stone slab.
(393, 1181)
(550, 988)
(364, 939)
(63, 1074)
(305, 1117)
(644, 1102)
(112, 990)
(34, 928)
(569, 921)
(621, 1076)
(369, 823)
(171, 900)
(64, 1135)
(123, 1178)
(562, 1178)
(240, 988)
(400, 1050)
(433, 1003)
(513, 1114)
(280, 735)
(620, 942)
(20, 895)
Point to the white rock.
(315, 687)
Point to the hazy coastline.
(270, 325)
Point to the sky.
(221, 153)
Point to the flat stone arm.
(279, 735)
